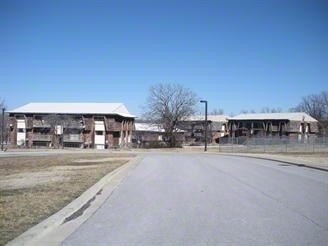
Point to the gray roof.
(74, 108)
(148, 127)
(213, 118)
(298, 116)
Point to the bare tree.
(166, 105)
(271, 110)
(217, 111)
(315, 105)
(57, 124)
(245, 111)
(3, 124)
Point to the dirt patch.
(73, 167)
(27, 180)
(101, 160)
(33, 188)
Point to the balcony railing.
(41, 137)
(73, 138)
(71, 125)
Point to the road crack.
(80, 212)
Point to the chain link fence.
(301, 144)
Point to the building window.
(99, 133)
(21, 130)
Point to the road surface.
(208, 199)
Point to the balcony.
(73, 138)
(41, 137)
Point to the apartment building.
(296, 124)
(80, 125)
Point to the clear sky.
(237, 54)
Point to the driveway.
(208, 199)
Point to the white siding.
(99, 135)
(21, 132)
(21, 124)
(99, 126)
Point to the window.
(21, 130)
(99, 132)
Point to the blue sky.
(237, 54)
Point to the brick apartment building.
(80, 125)
(296, 124)
(194, 126)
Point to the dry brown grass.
(32, 201)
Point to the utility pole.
(204, 101)
(2, 127)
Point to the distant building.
(148, 132)
(194, 127)
(152, 135)
(272, 124)
(82, 125)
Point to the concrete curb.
(279, 160)
(53, 230)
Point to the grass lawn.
(33, 188)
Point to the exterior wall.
(99, 134)
(110, 140)
(195, 130)
(263, 128)
(147, 136)
(21, 132)
(79, 131)
(152, 139)
(12, 131)
(100, 141)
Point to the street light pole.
(2, 127)
(204, 101)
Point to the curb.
(57, 227)
(282, 161)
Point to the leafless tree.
(315, 105)
(57, 124)
(3, 124)
(217, 111)
(271, 110)
(166, 105)
(245, 111)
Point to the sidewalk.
(317, 161)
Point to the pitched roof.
(74, 108)
(148, 127)
(213, 118)
(297, 116)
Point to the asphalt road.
(208, 199)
